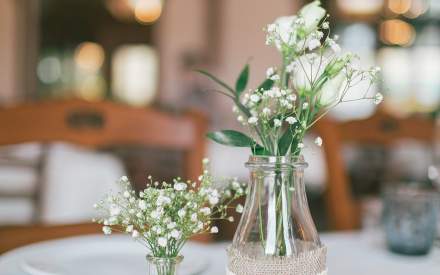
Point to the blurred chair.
(380, 129)
(96, 125)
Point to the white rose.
(285, 27)
(331, 91)
(312, 14)
(301, 79)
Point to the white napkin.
(76, 178)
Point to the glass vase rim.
(176, 259)
(273, 161)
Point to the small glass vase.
(410, 220)
(276, 233)
(163, 266)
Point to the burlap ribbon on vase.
(307, 263)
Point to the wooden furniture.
(97, 125)
(380, 129)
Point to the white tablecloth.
(352, 253)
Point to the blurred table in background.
(349, 253)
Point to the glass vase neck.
(283, 162)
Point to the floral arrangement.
(165, 215)
(313, 78)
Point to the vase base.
(246, 261)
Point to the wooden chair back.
(102, 124)
(97, 125)
(382, 129)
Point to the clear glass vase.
(163, 266)
(276, 221)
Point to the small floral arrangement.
(165, 215)
(314, 77)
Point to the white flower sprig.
(315, 76)
(165, 215)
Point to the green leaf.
(231, 138)
(285, 142)
(259, 150)
(242, 80)
(266, 85)
(218, 81)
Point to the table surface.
(349, 253)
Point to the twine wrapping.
(311, 262)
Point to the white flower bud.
(214, 229)
(331, 91)
(312, 15)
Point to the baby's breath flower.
(318, 141)
(270, 71)
(313, 44)
(161, 241)
(231, 219)
(253, 120)
(291, 120)
(175, 234)
(277, 123)
(155, 214)
(165, 215)
(142, 205)
(266, 111)
(239, 208)
(115, 210)
(180, 186)
(194, 217)
(135, 234)
(378, 98)
(255, 98)
(205, 211)
(181, 213)
(107, 230)
(214, 229)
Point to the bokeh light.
(89, 56)
(49, 70)
(361, 7)
(418, 7)
(397, 32)
(399, 6)
(148, 11)
(135, 74)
